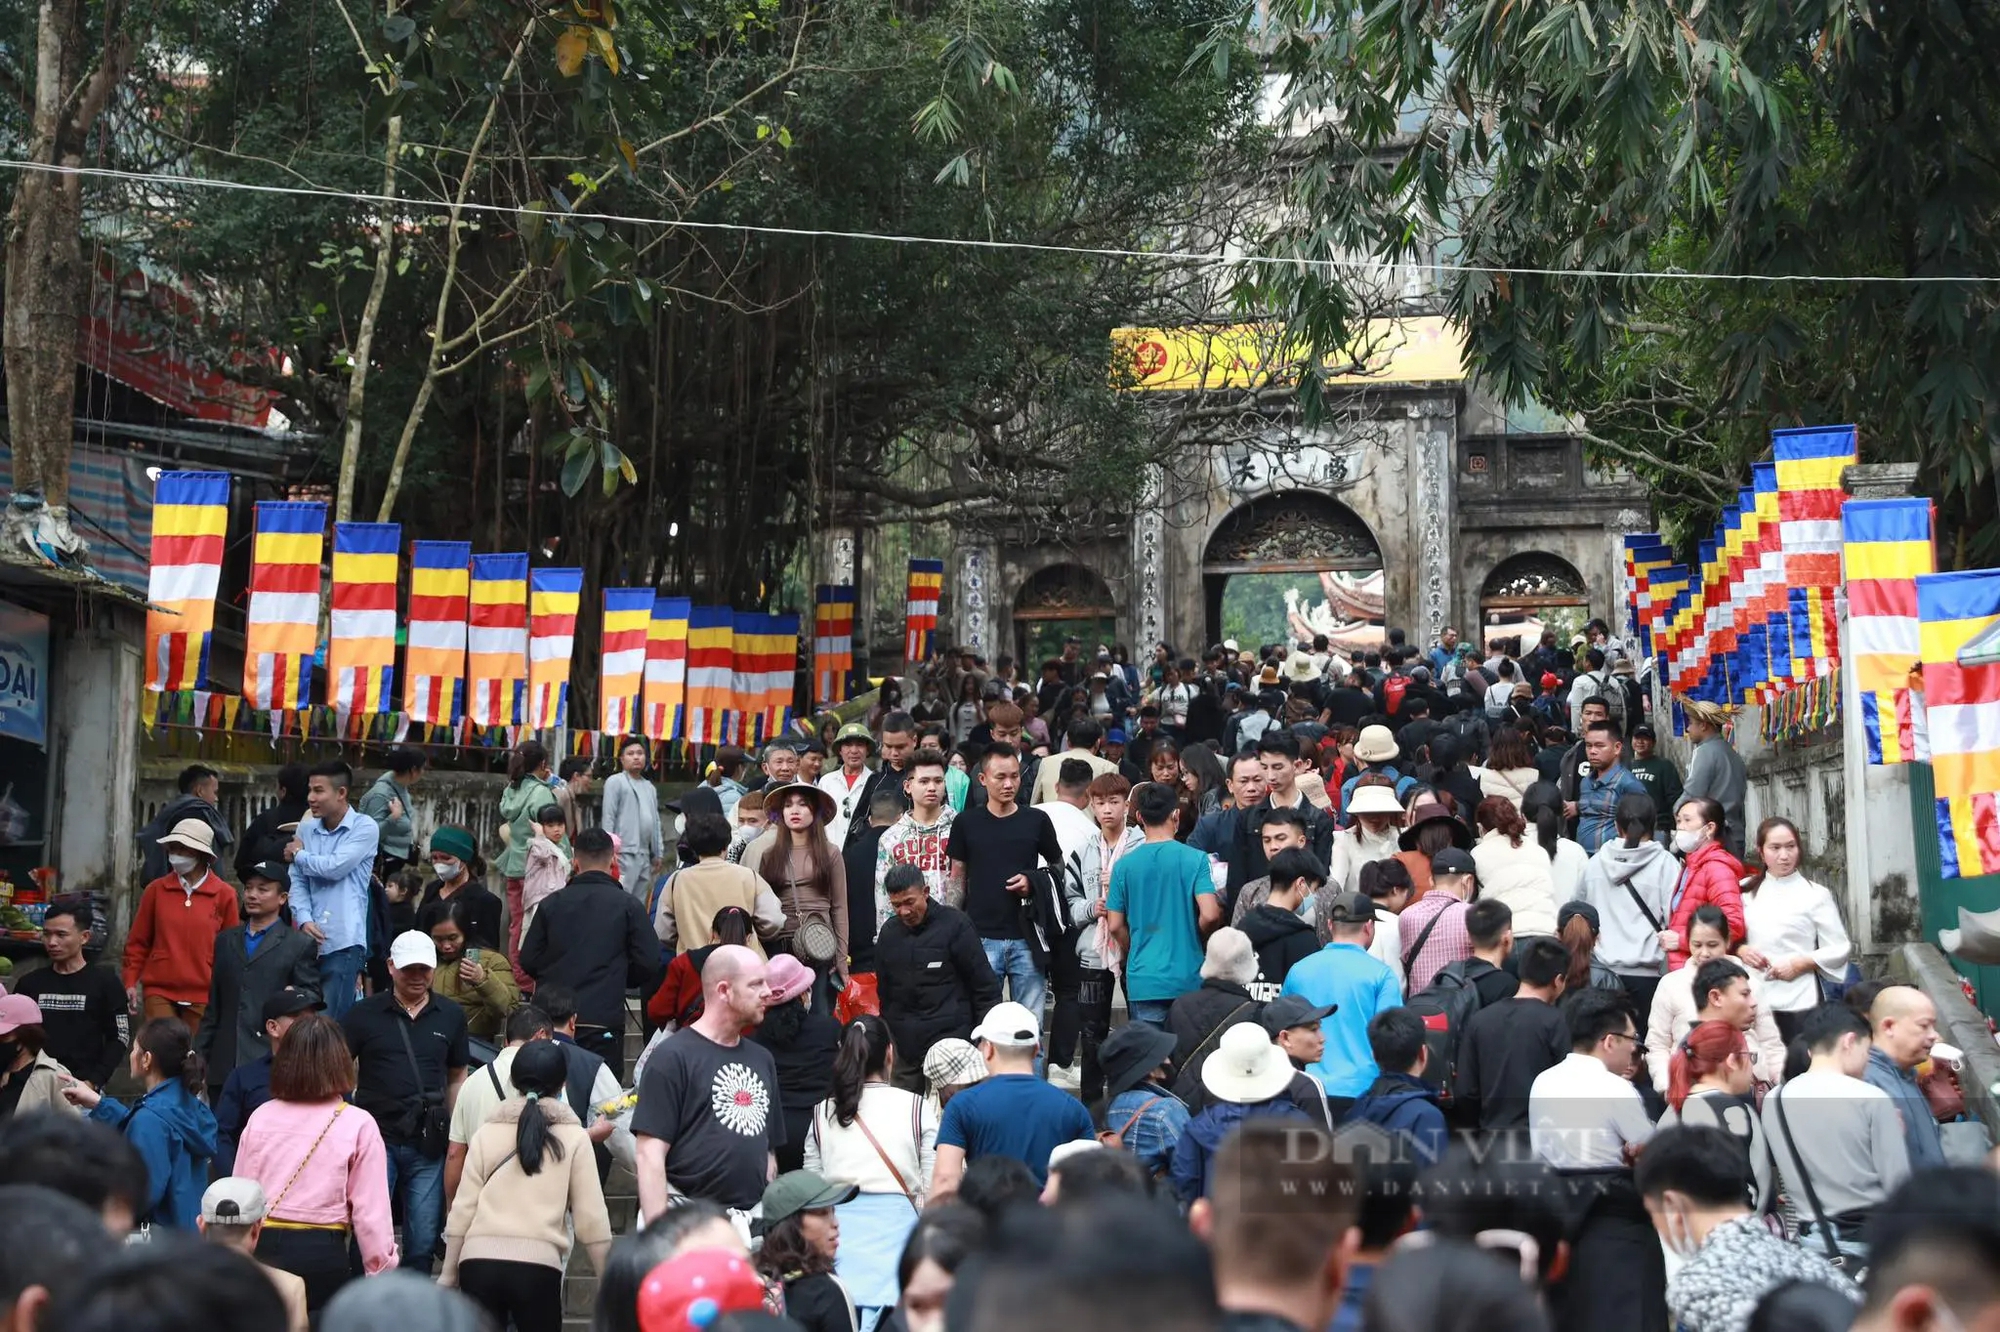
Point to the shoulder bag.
(300, 1169)
(1822, 1223)
(427, 1120)
(1423, 937)
(1138, 1114)
(1190, 1072)
(917, 1139)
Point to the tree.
(1568, 154)
(81, 54)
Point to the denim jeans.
(1014, 964)
(338, 972)
(421, 1181)
(1152, 1012)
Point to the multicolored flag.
(1963, 703)
(281, 630)
(434, 665)
(1887, 545)
(361, 638)
(628, 615)
(1809, 466)
(766, 657)
(833, 641)
(554, 596)
(921, 609)
(190, 521)
(666, 668)
(711, 682)
(497, 640)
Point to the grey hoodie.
(1627, 942)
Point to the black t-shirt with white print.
(716, 1107)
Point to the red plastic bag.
(857, 998)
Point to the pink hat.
(18, 1010)
(689, 1292)
(789, 978)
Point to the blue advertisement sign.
(24, 675)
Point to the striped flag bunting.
(665, 696)
(1963, 706)
(281, 628)
(1886, 546)
(554, 596)
(921, 609)
(833, 641)
(497, 640)
(434, 665)
(190, 521)
(361, 639)
(628, 615)
(711, 683)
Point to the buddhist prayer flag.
(921, 610)
(497, 640)
(1810, 462)
(361, 642)
(281, 630)
(766, 656)
(1886, 545)
(628, 615)
(666, 668)
(434, 666)
(1963, 703)
(833, 641)
(554, 596)
(190, 520)
(711, 667)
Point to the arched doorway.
(1054, 603)
(1530, 592)
(1288, 566)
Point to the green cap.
(802, 1191)
(854, 731)
(454, 842)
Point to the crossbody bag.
(304, 1161)
(1423, 937)
(1821, 1221)
(427, 1121)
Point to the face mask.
(447, 869)
(182, 864)
(1685, 841)
(1679, 1238)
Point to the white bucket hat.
(1374, 800)
(1376, 744)
(1246, 1067)
(192, 835)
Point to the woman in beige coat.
(29, 1079)
(529, 1174)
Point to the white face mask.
(447, 869)
(1678, 1236)
(1686, 841)
(183, 865)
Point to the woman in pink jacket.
(321, 1163)
(1710, 876)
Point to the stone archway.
(1338, 590)
(1056, 602)
(1530, 592)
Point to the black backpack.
(1445, 1006)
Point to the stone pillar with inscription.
(1149, 592)
(969, 585)
(1433, 434)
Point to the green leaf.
(575, 469)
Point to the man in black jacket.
(253, 961)
(593, 937)
(859, 857)
(931, 973)
(1278, 934)
(899, 746)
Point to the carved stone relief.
(1291, 527)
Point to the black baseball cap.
(290, 1002)
(1351, 909)
(1292, 1010)
(1643, 731)
(277, 871)
(1451, 860)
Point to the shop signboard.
(24, 675)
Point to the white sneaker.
(1067, 1078)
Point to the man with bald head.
(1904, 1021)
(707, 1122)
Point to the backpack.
(1470, 727)
(1445, 1006)
(1607, 686)
(1393, 690)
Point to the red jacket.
(1711, 876)
(171, 949)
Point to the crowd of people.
(1445, 995)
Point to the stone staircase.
(621, 1197)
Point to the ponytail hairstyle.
(864, 1050)
(523, 759)
(171, 1046)
(1711, 811)
(730, 926)
(1542, 805)
(1581, 940)
(1497, 814)
(539, 1071)
(1705, 1050)
(1637, 818)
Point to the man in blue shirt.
(1358, 986)
(1010, 1113)
(1608, 782)
(1160, 906)
(1904, 1021)
(332, 858)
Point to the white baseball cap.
(413, 948)
(233, 1200)
(1008, 1023)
